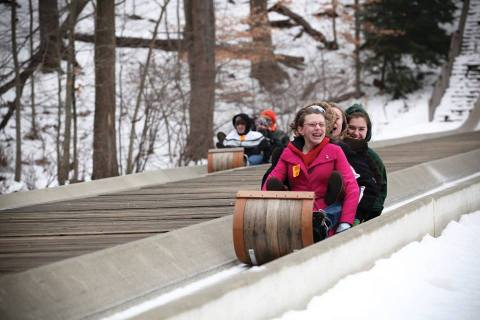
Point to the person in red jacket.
(308, 162)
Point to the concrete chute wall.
(101, 186)
(110, 280)
(290, 282)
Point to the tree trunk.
(49, 34)
(200, 37)
(34, 133)
(265, 69)
(334, 20)
(104, 143)
(357, 50)
(64, 166)
(18, 95)
(59, 126)
(75, 129)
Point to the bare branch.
(347, 96)
(315, 34)
(242, 51)
(134, 42)
(282, 24)
(36, 59)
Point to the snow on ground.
(402, 118)
(391, 119)
(436, 278)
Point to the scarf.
(310, 155)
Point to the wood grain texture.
(238, 240)
(272, 227)
(224, 159)
(36, 235)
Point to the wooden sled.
(271, 224)
(225, 158)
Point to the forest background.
(93, 89)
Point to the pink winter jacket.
(315, 177)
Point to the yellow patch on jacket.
(296, 170)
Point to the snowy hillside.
(168, 87)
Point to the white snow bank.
(436, 278)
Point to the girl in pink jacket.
(308, 163)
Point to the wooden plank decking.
(36, 235)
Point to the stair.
(464, 86)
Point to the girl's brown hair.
(344, 119)
(321, 107)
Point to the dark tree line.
(395, 30)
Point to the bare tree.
(59, 124)
(334, 20)
(75, 126)
(358, 92)
(34, 133)
(104, 144)
(32, 65)
(18, 95)
(200, 37)
(64, 164)
(49, 34)
(143, 76)
(265, 69)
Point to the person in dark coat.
(366, 162)
(256, 147)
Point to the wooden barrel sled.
(271, 224)
(225, 158)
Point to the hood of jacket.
(358, 108)
(246, 119)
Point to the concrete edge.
(87, 285)
(112, 279)
(101, 186)
(409, 182)
(290, 282)
(473, 119)
(413, 138)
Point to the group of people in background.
(260, 137)
(328, 154)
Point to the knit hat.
(358, 108)
(244, 118)
(269, 113)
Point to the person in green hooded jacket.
(359, 128)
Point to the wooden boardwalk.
(40, 234)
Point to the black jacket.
(356, 152)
